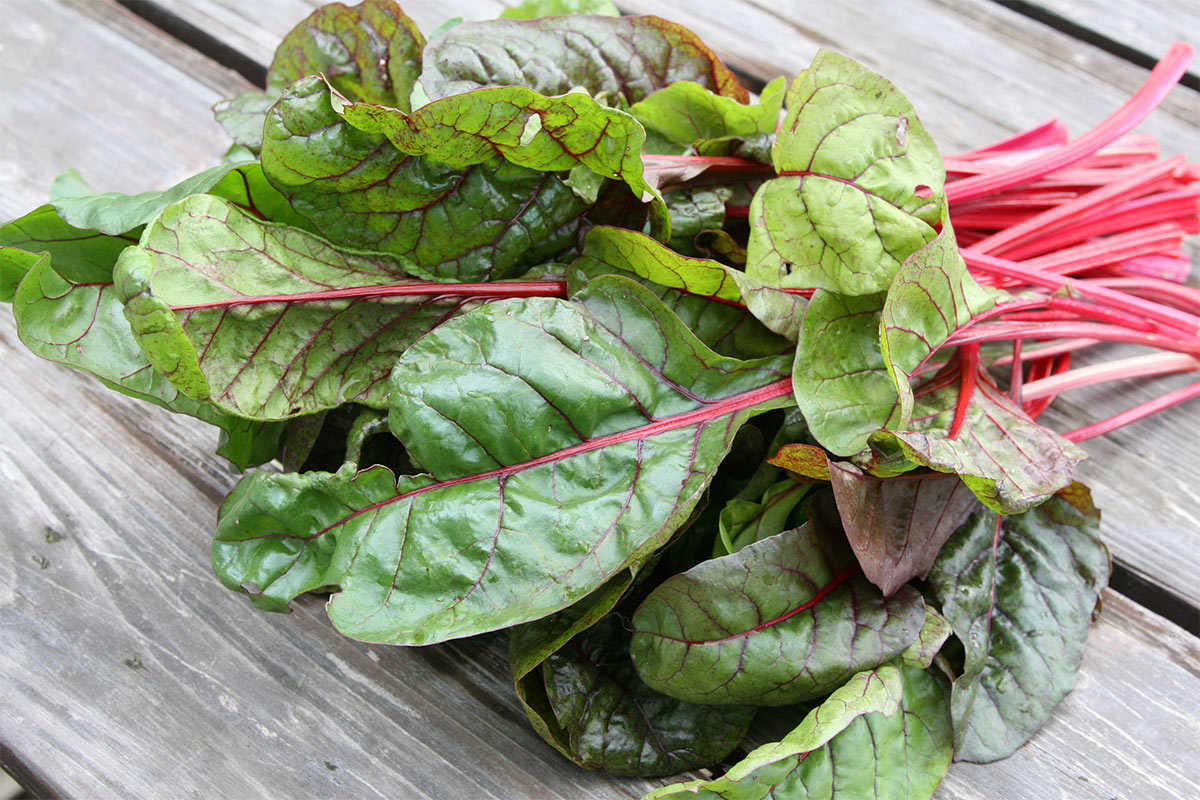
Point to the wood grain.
(127, 671)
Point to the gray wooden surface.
(127, 671)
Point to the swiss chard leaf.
(480, 222)
(1020, 599)
(548, 134)
(688, 114)
(897, 525)
(1009, 461)
(83, 326)
(744, 522)
(860, 185)
(884, 735)
(262, 320)
(614, 722)
(531, 9)
(623, 59)
(606, 440)
(636, 253)
(83, 256)
(782, 620)
(370, 52)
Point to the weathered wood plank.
(977, 71)
(256, 28)
(1148, 26)
(70, 87)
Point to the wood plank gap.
(1191, 78)
(1156, 597)
(198, 39)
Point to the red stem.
(1161, 80)
(423, 288)
(1134, 414)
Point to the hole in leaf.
(923, 191)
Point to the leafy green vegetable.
(1019, 593)
(490, 538)
(782, 620)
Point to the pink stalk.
(1161, 80)
(1104, 197)
(1003, 268)
(1183, 297)
(1050, 132)
(1153, 239)
(1138, 367)
(1005, 331)
(1134, 414)
(1046, 351)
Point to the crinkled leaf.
(641, 255)
(856, 744)
(1021, 604)
(548, 134)
(744, 522)
(804, 460)
(565, 441)
(840, 377)
(1009, 461)
(933, 635)
(370, 52)
(247, 315)
(693, 211)
(687, 114)
(622, 59)
(354, 188)
(83, 326)
(897, 525)
(931, 296)
(616, 723)
(531, 9)
(782, 620)
(860, 186)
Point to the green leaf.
(636, 253)
(83, 326)
(860, 186)
(840, 377)
(354, 188)
(530, 9)
(744, 522)
(114, 214)
(242, 117)
(623, 59)
(613, 419)
(931, 296)
(857, 744)
(693, 211)
(249, 316)
(548, 134)
(83, 256)
(782, 620)
(1021, 603)
(897, 525)
(616, 723)
(934, 634)
(687, 113)
(1009, 461)
(370, 52)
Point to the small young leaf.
(1020, 599)
(531, 9)
(686, 113)
(744, 522)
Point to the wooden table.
(127, 671)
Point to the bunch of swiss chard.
(544, 325)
